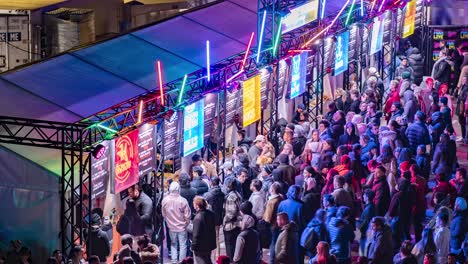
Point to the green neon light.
(106, 128)
(182, 90)
(277, 38)
(349, 12)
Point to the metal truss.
(74, 142)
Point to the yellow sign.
(251, 100)
(410, 16)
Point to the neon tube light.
(382, 4)
(373, 4)
(181, 93)
(260, 39)
(140, 111)
(247, 51)
(362, 8)
(106, 128)
(328, 27)
(277, 38)
(235, 76)
(349, 12)
(322, 14)
(208, 66)
(161, 88)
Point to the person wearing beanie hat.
(459, 224)
(99, 239)
(177, 214)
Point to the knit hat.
(174, 187)
(345, 159)
(405, 166)
(406, 75)
(246, 208)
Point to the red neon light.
(248, 50)
(161, 88)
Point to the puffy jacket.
(315, 232)
(341, 236)
(411, 105)
(293, 208)
(418, 134)
(287, 245)
(199, 185)
(441, 71)
(458, 229)
(382, 196)
(366, 216)
(204, 232)
(381, 247)
(416, 61)
(144, 206)
(215, 198)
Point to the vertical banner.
(265, 83)
(211, 101)
(282, 79)
(341, 52)
(100, 170)
(251, 99)
(232, 106)
(171, 137)
(298, 75)
(126, 161)
(193, 127)
(408, 21)
(146, 153)
(377, 35)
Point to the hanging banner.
(341, 52)
(232, 106)
(171, 137)
(265, 84)
(193, 127)
(282, 79)
(126, 161)
(298, 75)
(100, 170)
(300, 16)
(408, 21)
(211, 101)
(377, 35)
(251, 99)
(146, 153)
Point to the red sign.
(126, 161)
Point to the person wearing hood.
(416, 62)
(287, 245)
(337, 125)
(437, 127)
(247, 243)
(232, 217)
(410, 103)
(215, 199)
(405, 83)
(459, 225)
(402, 68)
(176, 212)
(349, 137)
(417, 132)
(98, 239)
(315, 231)
(341, 235)
(293, 206)
(381, 244)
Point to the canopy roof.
(27, 4)
(79, 83)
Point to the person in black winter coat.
(417, 132)
(98, 239)
(382, 191)
(215, 199)
(187, 191)
(204, 233)
(341, 235)
(337, 125)
(349, 137)
(355, 102)
(311, 199)
(416, 62)
(381, 245)
(400, 211)
(366, 216)
(247, 243)
(129, 222)
(144, 206)
(197, 183)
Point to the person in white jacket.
(442, 237)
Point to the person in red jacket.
(420, 205)
(444, 186)
(393, 96)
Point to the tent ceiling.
(27, 4)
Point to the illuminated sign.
(298, 75)
(251, 99)
(341, 52)
(193, 127)
(377, 35)
(410, 16)
(126, 161)
(464, 34)
(300, 16)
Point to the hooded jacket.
(215, 198)
(287, 245)
(341, 236)
(247, 243)
(381, 247)
(292, 206)
(320, 233)
(100, 243)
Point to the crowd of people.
(377, 182)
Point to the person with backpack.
(315, 231)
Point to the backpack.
(308, 239)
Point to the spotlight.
(98, 151)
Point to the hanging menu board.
(298, 75)
(251, 100)
(171, 136)
(126, 161)
(232, 106)
(409, 19)
(283, 79)
(100, 170)
(146, 149)
(265, 84)
(341, 52)
(193, 127)
(211, 102)
(377, 35)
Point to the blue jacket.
(458, 228)
(366, 216)
(418, 134)
(424, 164)
(341, 236)
(293, 207)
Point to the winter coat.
(100, 243)
(420, 203)
(187, 191)
(331, 213)
(366, 216)
(199, 185)
(232, 215)
(442, 160)
(411, 105)
(204, 231)
(215, 199)
(354, 107)
(458, 228)
(392, 98)
(311, 200)
(271, 210)
(401, 69)
(176, 212)
(416, 61)
(293, 208)
(247, 243)
(381, 247)
(258, 202)
(287, 244)
(441, 71)
(337, 129)
(341, 236)
(144, 206)
(382, 196)
(418, 134)
(343, 198)
(424, 165)
(326, 159)
(287, 172)
(315, 232)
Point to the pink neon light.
(140, 111)
(328, 27)
(248, 50)
(161, 88)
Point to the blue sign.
(377, 35)
(341, 52)
(193, 127)
(298, 75)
